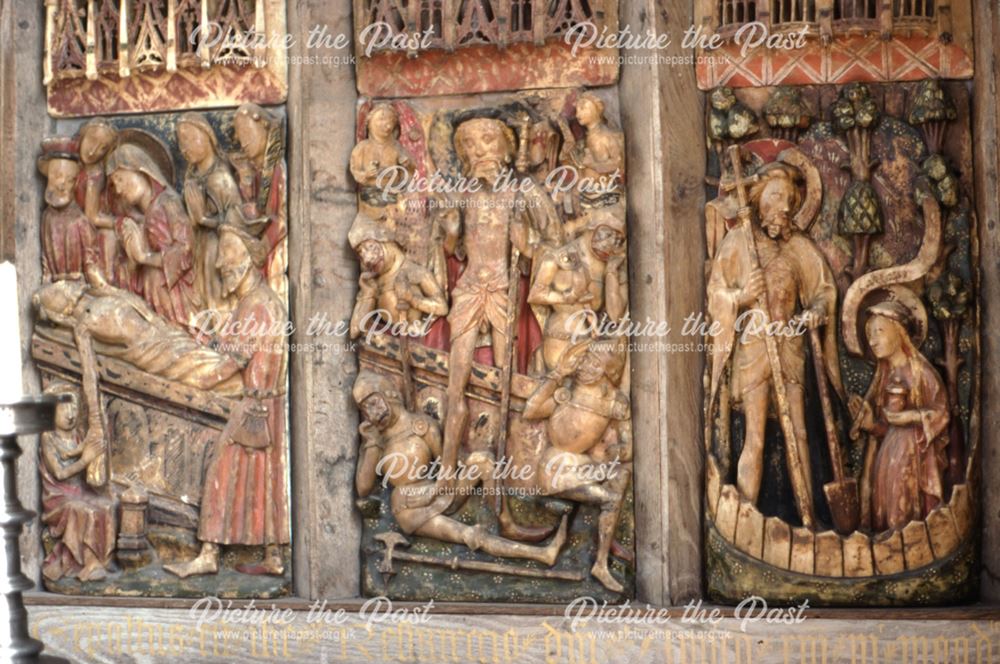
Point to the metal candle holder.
(30, 415)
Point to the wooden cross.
(737, 181)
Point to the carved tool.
(803, 497)
(392, 539)
(842, 492)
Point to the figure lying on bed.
(123, 326)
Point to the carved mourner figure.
(794, 283)
(260, 170)
(905, 413)
(601, 157)
(156, 234)
(244, 499)
(97, 138)
(81, 520)
(69, 241)
(210, 193)
(587, 423)
(401, 446)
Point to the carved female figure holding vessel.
(906, 412)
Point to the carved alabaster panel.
(495, 454)
(138, 56)
(162, 313)
(842, 446)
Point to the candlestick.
(28, 415)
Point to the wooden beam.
(322, 105)
(23, 124)
(665, 144)
(986, 132)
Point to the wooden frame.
(666, 148)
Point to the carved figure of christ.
(492, 223)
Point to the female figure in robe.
(906, 413)
(210, 193)
(156, 234)
(97, 138)
(260, 169)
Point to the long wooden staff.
(507, 369)
(803, 498)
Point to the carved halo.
(814, 186)
(917, 329)
(152, 146)
(764, 151)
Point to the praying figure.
(211, 197)
(260, 172)
(156, 234)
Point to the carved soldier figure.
(393, 285)
(210, 193)
(260, 169)
(797, 283)
(589, 436)
(97, 138)
(68, 238)
(402, 446)
(244, 501)
(584, 275)
(156, 234)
